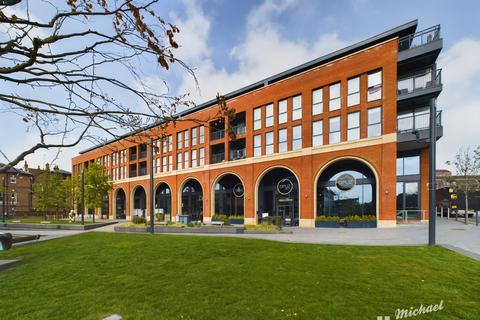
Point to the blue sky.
(233, 43)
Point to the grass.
(93, 275)
(43, 220)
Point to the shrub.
(361, 218)
(139, 220)
(278, 221)
(328, 218)
(220, 217)
(160, 216)
(267, 220)
(235, 217)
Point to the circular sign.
(238, 190)
(284, 186)
(345, 182)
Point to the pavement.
(454, 235)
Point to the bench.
(162, 223)
(217, 223)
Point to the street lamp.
(432, 185)
(83, 197)
(151, 187)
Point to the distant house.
(446, 187)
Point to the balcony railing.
(414, 122)
(237, 154)
(419, 38)
(217, 134)
(239, 128)
(217, 158)
(420, 81)
(143, 154)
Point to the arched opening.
(192, 200)
(139, 202)
(120, 204)
(163, 201)
(278, 196)
(346, 187)
(105, 207)
(229, 196)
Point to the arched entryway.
(139, 202)
(346, 187)
(228, 193)
(192, 200)
(278, 195)
(120, 204)
(163, 201)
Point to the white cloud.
(459, 100)
(264, 50)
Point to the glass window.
(282, 111)
(353, 86)
(374, 122)
(179, 161)
(317, 133)
(269, 115)
(374, 91)
(353, 132)
(297, 137)
(257, 118)
(170, 143)
(201, 135)
(317, 101)
(164, 164)
(269, 142)
(170, 162)
(179, 140)
(194, 158)
(202, 157)
(194, 136)
(297, 107)
(186, 139)
(335, 101)
(334, 130)
(185, 160)
(257, 145)
(408, 165)
(282, 140)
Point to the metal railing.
(217, 158)
(405, 216)
(420, 81)
(412, 122)
(237, 154)
(217, 134)
(419, 38)
(239, 128)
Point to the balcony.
(237, 154)
(217, 134)
(413, 129)
(424, 84)
(420, 48)
(217, 158)
(133, 156)
(239, 129)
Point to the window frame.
(297, 109)
(269, 119)
(370, 125)
(338, 98)
(298, 139)
(257, 147)
(257, 122)
(282, 104)
(355, 129)
(282, 145)
(355, 94)
(331, 133)
(317, 104)
(269, 145)
(374, 86)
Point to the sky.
(230, 44)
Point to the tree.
(97, 185)
(74, 73)
(467, 166)
(51, 194)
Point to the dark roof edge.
(399, 31)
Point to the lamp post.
(432, 185)
(4, 198)
(151, 187)
(82, 199)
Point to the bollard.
(448, 213)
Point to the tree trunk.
(466, 205)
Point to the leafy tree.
(51, 194)
(97, 185)
(467, 166)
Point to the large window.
(257, 118)
(269, 115)
(353, 97)
(179, 161)
(353, 122)
(202, 157)
(282, 111)
(164, 164)
(297, 107)
(269, 142)
(257, 145)
(334, 130)
(201, 135)
(374, 91)
(317, 133)
(229, 196)
(186, 139)
(170, 162)
(194, 158)
(297, 137)
(185, 160)
(374, 122)
(408, 166)
(170, 143)
(194, 136)
(335, 100)
(282, 140)
(317, 101)
(179, 140)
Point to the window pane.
(257, 118)
(353, 85)
(282, 111)
(374, 91)
(186, 139)
(257, 145)
(317, 133)
(269, 115)
(269, 143)
(353, 120)
(374, 122)
(185, 160)
(399, 166)
(202, 135)
(412, 165)
(334, 131)
(179, 140)
(374, 130)
(297, 137)
(335, 100)
(297, 107)
(194, 136)
(282, 140)
(317, 101)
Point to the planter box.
(361, 224)
(184, 218)
(327, 224)
(236, 221)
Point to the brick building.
(15, 192)
(343, 134)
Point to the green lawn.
(93, 275)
